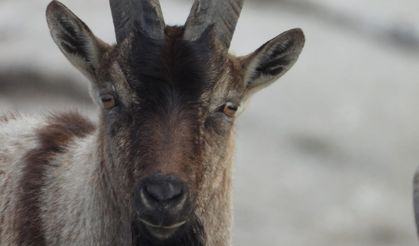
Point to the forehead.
(167, 69)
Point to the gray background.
(325, 155)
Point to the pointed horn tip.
(134, 15)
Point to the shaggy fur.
(66, 181)
(53, 139)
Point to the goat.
(156, 168)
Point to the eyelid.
(108, 94)
(228, 103)
(108, 101)
(108, 88)
(232, 104)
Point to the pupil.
(106, 99)
(232, 108)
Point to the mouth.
(162, 232)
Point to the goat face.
(170, 127)
(168, 107)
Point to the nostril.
(164, 192)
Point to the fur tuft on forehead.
(171, 66)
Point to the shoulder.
(71, 124)
(53, 127)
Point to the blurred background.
(325, 156)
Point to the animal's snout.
(163, 191)
(162, 205)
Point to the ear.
(75, 39)
(272, 60)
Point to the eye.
(230, 109)
(108, 101)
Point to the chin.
(188, 233)
(163, 232)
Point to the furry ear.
(272, 60)
(75, 39)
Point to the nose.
(164, 191)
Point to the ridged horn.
(143, 15)
(222, 14)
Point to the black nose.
(163, 190)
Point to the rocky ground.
(325, 156)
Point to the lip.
(160, 227)
(162, 232)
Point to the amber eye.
(108, 101)
(230, 109)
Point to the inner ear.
(75, 39)
(273, 59)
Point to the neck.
(217, 214)
(89, 207)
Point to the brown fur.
(81, 186)
(53, 139)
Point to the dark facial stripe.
(53, 139)
(159, 68)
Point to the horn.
(222, 14)
(133, 15)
